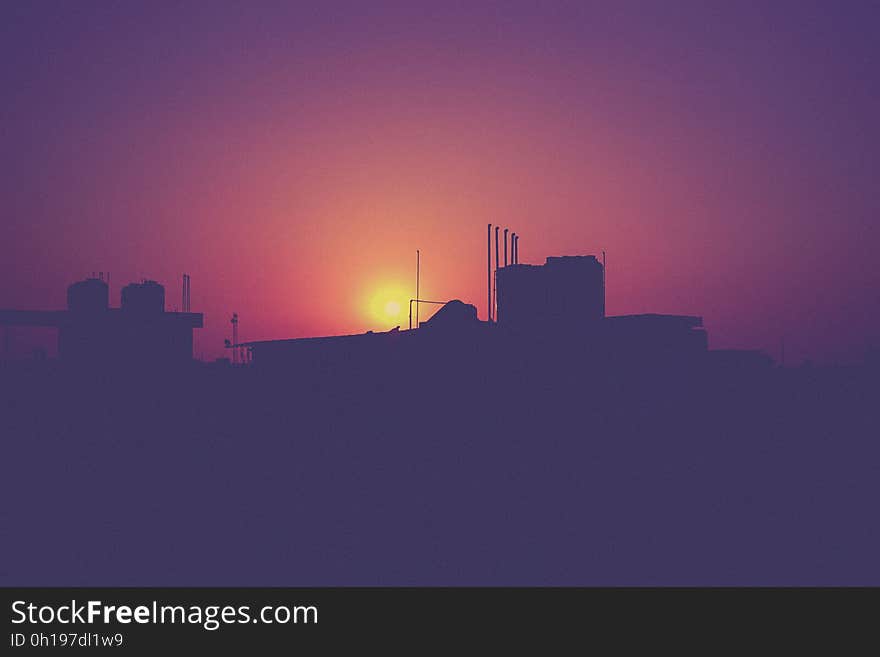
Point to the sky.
(291, 157)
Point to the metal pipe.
(418, 267)
(505, 247)
(417, 302)
(494, 284)
(488, 274)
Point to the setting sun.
(387, 305)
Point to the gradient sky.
(292, 158)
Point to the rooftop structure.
(139, 332)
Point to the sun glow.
(387, 306)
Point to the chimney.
(495, 283)
(489, 271)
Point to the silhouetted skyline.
(613, 450)
(292, 159)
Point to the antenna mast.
(418, 273)
(234, 322)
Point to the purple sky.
(292, 158)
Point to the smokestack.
(505, 247)
(495, 281)
(489, 273)
(513, 248)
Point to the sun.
(385, 305)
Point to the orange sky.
(292, 163)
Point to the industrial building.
(550, 309)
(139, 332)
(564, 290)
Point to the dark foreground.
(442, 473)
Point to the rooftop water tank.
(88, 296)
(147, 298)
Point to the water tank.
(147, 298)
(89, 296)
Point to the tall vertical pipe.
(505, 247)
(495, 279)
(488, 273)
(513, 248)
(418, 273)
(604, 274)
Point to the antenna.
(418, 272)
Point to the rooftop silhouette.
(91, 334)
(554, 446)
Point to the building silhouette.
(91, 333)
(554, 310)
(564, 290)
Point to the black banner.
(324, 618)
